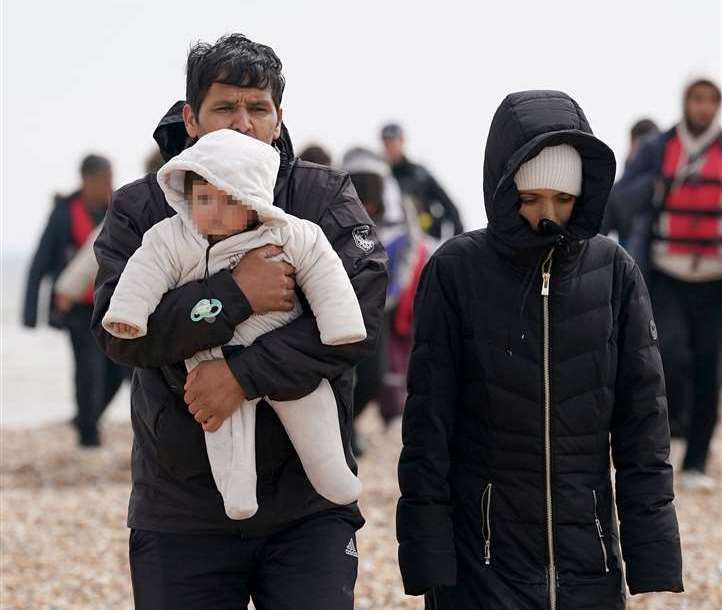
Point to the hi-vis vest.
(687, 237)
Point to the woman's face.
(539, 204)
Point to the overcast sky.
(81, 77)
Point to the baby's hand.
(124, 329)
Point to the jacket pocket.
(600, 534)
(486, 522)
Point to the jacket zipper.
(600, 533)
(552, 574)
(208, 255)
(486, 523)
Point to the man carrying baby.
(298, 550)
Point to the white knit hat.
(555, 167)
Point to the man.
(299, 550)
(438, 215)
(678, 237)
(620, 211)
(71, 222)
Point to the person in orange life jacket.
(677, 178)
(71, 222)
(535, 353)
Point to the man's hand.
(212, 394)
(268, 285)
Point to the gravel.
(64, 541)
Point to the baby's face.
(217, 214)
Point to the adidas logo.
(351, 549)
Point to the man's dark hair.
(92, 165)
(315, 154)
(643, 127)
(232, 60)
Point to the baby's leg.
(232, 455)
(312, 425)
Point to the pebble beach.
(64, 540)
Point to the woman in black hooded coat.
(520, 384)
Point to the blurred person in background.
(620, 211)
(382, 377)
(315, 154)
(437, 214)
(82, 269)
(154, 161)
(71, 223)
(677, 237)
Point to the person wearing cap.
(437, 214)
(675, 183)
(535, 355)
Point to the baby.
(222, 189)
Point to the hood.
(241, 166)
(524, 124)
(172, 138)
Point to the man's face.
(248, 110)
(701, 107)
(393, 149)
(217, 214)
(98, 188)
(539, 204)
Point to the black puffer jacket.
(173, 489)
(492, 514)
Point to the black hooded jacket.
(173, 489)
(506, 496)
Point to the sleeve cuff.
(234, 359)
(423, 567)
(236, 307)
(655, 567)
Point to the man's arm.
(47, 249)
(291, 361)
(172, 335)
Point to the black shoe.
(89, 438)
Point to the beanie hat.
(555, 167)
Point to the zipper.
(552, 573)
(208, 255)
(600, 533)
(486, 523)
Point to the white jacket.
(174, 253)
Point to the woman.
(535, 351)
